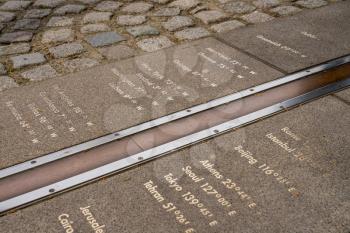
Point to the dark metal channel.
(64, 168)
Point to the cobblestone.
(264, 4)
(27, 60)
(108, 6)
(6, 83)
(15, 5)
(40, 73)
(48, 3)
(144, 30)
(80, 64)
(66, 50)
(2, 69)
(238, 7)
(14, 49)
(85, 30)
(257, 17)
(185, 4)
(154, 44)
(192, 33)
(198, 9)
(161, 1)
(117, 52)
(60, 35)
(27, 24)
(285, 10)
(20, 36)
(168, 11)
(97, 27)
(60, 21)
(104, 38)
(137, 7)
(89, 2)
(227, 26)
(213, 16)
(69, 9)
(311, 3)
(96, 17)
(37, 13)
(6, 17)
(178, 22)
(130, 20)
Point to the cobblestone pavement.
(43, 39)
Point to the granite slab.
(65, 111)
(288, 173)
(297, 42)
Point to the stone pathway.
(44, 39)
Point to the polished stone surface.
(300, 41)
(65, 111)
(287, 173)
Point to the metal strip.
(166, 119)
(165, 149)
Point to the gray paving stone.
(265, 4)
(154, 44)
(142, 30)
(66, 50)
(192, 33)
(257, 17)
(294, 43)
(60, 35)
(137, 7)
(6, 16)
(48, 3)
(108, 6)
(185, 4)
(80, 64)
(227, 26)
(117, 52)
(20, 36)
(69, 9)
(238, 7)
(27, 24)
(6, 83)
(178, 22)
(167, 11)
(24, 60)
(97, 27)
(60, 21)
(311, 3)
(104, 38)
(285, 10)
(37, 13)
(130, 20)
(14, 49)
(40, 73)
(96, 17)
(2, 69)
(211, 16)
(15, 5)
